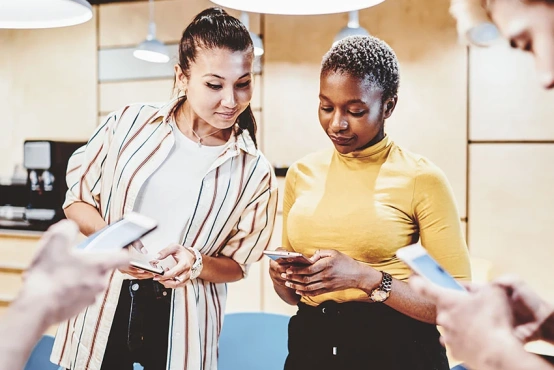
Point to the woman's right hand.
(136, 272)
(276, 271)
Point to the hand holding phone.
(423, 264)
(288, 258)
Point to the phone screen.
(425, 265)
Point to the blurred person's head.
(529, 26)
(359, 83)
(214, 71)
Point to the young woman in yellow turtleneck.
(351, 209)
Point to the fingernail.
(298, 292)
(141, 271)
(143, 250)
(155, 278)
(284, 276)
(177, 278)
(288, 284)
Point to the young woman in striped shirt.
(193, 165)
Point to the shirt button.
(164, 293)
(135, 287)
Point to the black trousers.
(357, 335)
(140, 328)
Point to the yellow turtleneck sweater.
(368, 204)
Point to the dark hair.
(211, 29)
(365, 57)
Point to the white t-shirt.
(169, 195)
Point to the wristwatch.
(196, 267)
(382, 292)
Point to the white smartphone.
(286, 257)
(423, 264)
(119, 234)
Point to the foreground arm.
(59, 283)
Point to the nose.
(338, 123)
(229, 100)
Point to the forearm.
(286, 294)
(220, 269)
(20, 329)
(86, 217)
(402, 298)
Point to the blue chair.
(459, 367)
(40, 356)
(253, 341)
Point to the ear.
(389, 106)
(180, 78)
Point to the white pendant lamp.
(352, 28)
(151, 49)
(256, 40)
(473, 25)
(19, 14)
(297, 7)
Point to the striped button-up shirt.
(233, 216)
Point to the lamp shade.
(297, 7)
(152, 50)
(17, 14)
(258, 44)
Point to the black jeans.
(139, 335)
(357, 335)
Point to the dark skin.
(352, 112)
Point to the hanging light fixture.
(473, 24)
(43, 13)
(352, 28)
(256, 40)
(151, 49)
(297, 7)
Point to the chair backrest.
(40, 357)
(253, 341)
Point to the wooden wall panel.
(511, 203)
(126, 24)
(431, 115)
(507, 102)
(115, 95)
(47, 87)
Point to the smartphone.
(119, 234)
(286, 257)
(147, 266)
(423, 264)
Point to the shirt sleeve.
(252, 233)
(288, 200)
(84, 168)
(439, 223)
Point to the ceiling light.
(352, 28)
(43, 13)
(473, 25)
(256, 40)
(151, 49)
(297, 7)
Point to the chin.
(344, 149)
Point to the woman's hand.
(133, 271)
(331, 271)
(277, 272)
(179, 274)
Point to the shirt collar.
(243, 140)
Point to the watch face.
(379, 295)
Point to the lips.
(341, 140)
(227, 115)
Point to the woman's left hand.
(330, 272)
(179, 274)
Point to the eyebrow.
(218, 76)
(351, 101)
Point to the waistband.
(146, 288)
